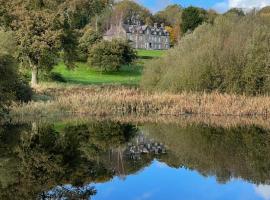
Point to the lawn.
(83, 74)
(128, 75)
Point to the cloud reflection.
(263, 191)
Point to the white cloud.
(223, 6)
(263, 191)
(248, 4)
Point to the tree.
(173, 35)
(127, 11)
(235, 12)
(230, 56)
(171, 17)
(192, 17)
(110, 56)
(87, 40)
(44, 28)
(8, 78)
(11, 86)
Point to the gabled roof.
(136, 29)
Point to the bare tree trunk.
(34, 80)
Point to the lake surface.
(103, 160)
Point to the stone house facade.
(141, 37)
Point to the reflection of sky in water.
(162, 182)
(263, 191)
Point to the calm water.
(103, 160)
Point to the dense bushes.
(86, 41)
(232, 55)
(111, 55)
(12, 87)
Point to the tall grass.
(232, 56)
(104, 101)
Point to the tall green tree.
(192, 17)
(46, 27)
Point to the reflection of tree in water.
(236, 152)
(38, 158)
(34, 159)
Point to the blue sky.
(219, 5)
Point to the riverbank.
(120, 100)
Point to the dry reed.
(103, 101)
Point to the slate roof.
(137, 29)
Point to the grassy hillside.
(83, 74)
(128, 75)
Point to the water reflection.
(79, 160)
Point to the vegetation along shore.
(115, 100)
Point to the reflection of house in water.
(135, 151)
(141, 37)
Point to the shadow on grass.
(146, 57)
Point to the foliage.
(192, 17)
(44, 28)
(173, 35)
(235, 12)
(40, 159)
(125, 11)
(230, 56)
(12, 87)
(111, 55)
(86, 41)
(69, 44)
(236, 151)
(171, 17)
(8, 77)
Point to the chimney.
(155, 25)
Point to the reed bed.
(184, 120)
(118, 100)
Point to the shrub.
(88, 39)
(232, 56)
(23, 91)
(111, 55)
(8, 78)
(12, 88)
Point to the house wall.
(148, 41)
(142, 41)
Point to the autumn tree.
(126, 11)
(171, 16)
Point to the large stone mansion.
(141, 37)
